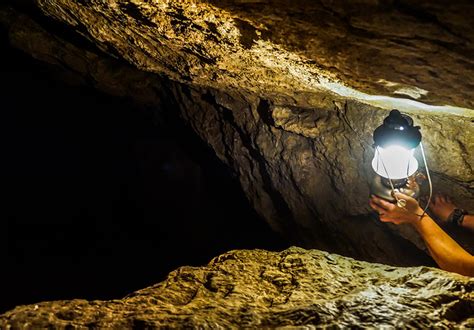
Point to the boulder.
(264, 289)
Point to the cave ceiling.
(397, 50)
(287, 93)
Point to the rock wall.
(261, 289)
(281, 106)
(416, 49)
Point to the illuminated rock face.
(417, 49)
(257, 289)
(282, 94)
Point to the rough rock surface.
(416, 49)
(258, 289)
(268, 87)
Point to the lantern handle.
(429, 180)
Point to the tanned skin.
(448, 254)
(443, 206)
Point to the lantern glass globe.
(394, 162)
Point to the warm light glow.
(399, 162)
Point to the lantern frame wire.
(401, 202)
(429, 180)
(388, 176)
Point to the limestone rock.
(273, 90)
(262, 289)
(412, 49)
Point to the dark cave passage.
(142, 137)
(101, 197)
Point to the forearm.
(468, 222)
(448, 254)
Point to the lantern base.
(381, 187)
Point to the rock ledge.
(256, 288)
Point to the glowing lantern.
(394, 162)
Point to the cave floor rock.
(257, 288)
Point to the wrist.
(457, 217)
(417, 217)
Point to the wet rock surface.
(257, 288)
(302, 154)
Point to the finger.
(387, 206)
(399, 195)
(376, 208)
(389, 220)
(443, 199)
(384, 219)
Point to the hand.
(442, 207)
(390, 212)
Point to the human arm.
(442, 207)
(448, 254)
(468, 222)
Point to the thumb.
(403, 196)
(409, 201)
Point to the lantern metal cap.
(397, 129)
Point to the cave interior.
(139, 137)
